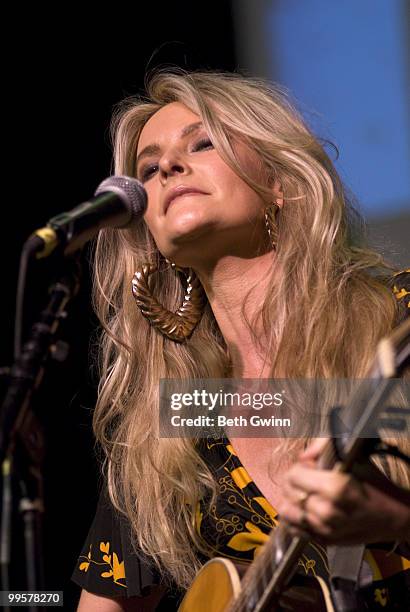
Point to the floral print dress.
(235, 527)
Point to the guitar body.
(218, 584)
(215, 586)
(218, 587)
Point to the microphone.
(118, 202)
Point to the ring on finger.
(303, 497)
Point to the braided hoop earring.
(179, 325)
(271, 212)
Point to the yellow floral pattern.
(236, 527)
(113, 568)
(250, 539)
(240, 522)
(401, 287)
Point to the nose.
(172, 164)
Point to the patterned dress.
(235, 527)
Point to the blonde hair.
(327, 283)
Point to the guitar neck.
(277, 561)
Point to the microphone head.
(131, 192)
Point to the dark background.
(62, 75)
(63, 71)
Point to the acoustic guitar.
(271, 582)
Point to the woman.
(245, 207)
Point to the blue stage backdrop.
(348, 65)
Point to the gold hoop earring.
(271, 212)
(179, 325)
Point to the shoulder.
(400, 285)
(108, 564)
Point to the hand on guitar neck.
(335, 508)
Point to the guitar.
(271, 582)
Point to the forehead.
(166, 123)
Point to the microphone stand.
(21, 435)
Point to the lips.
(180, 191)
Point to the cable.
(30, 247)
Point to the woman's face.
(198, 208)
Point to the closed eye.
(151, 169)
(148, 172)
(204, 143)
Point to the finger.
(332, 485)
(292, 514)
(294, 495)
(314, 450)
(315, 508)
(323, 512)
(303, 523)
(299, 523)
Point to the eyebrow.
(155, 148)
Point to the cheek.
(222, 175)
(152, 223)
(243, 199)
(155, 232)
(149, 216)
(152, 212)
(231, 186)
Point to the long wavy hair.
(323, 314)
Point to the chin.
(187, 227)
(188, 244)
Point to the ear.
(277, 193)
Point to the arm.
(89, 602)
(97, 603)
